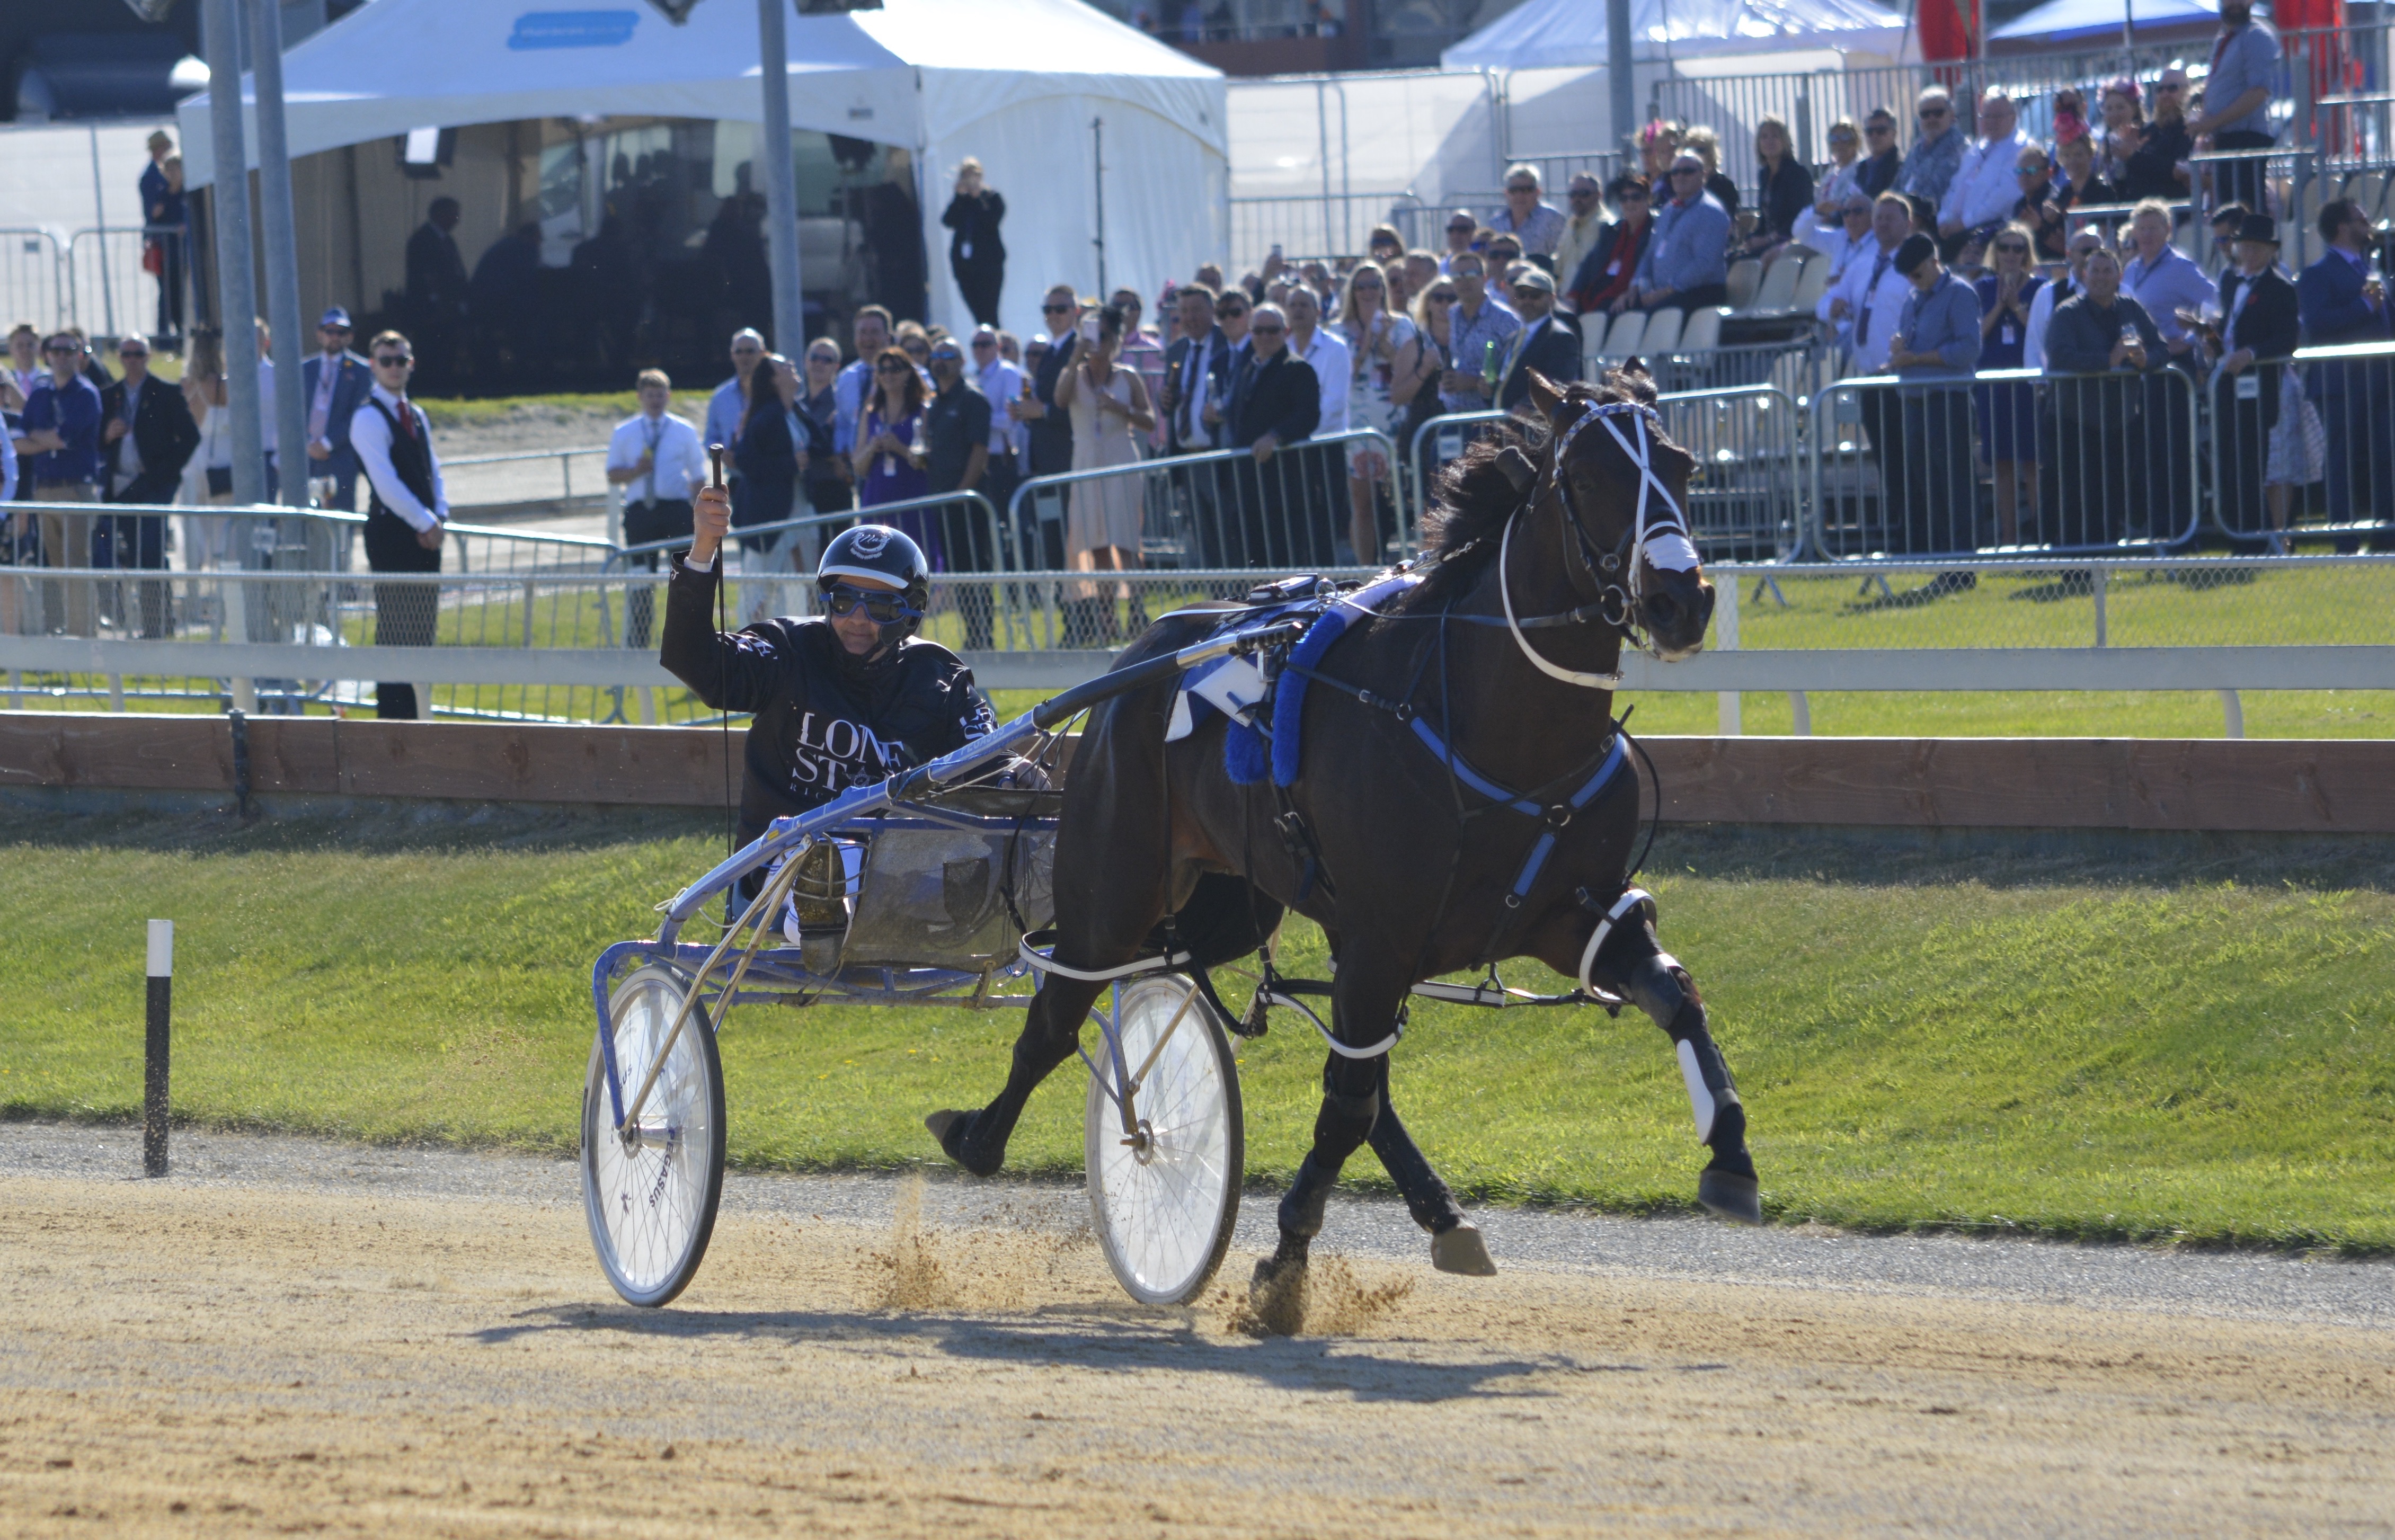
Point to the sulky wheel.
(1164, 1203)
(650, 1192)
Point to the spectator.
(2164, 279)
(1052, 430)
(1935, 350)
(729, 405)
(2148, 173)
(1937, 155)
(1399, 292)
(976, 255)
(771, 457)
(1315, 278)
(998, 381)
(1273, 405)
(826, 479)
(407, 509)
(886, 472)
(1388, 362)
(2125, 108)
(1537, 224)
(1503, 254)
(208, 475)
(1602, 281)
(266, 413)
(1881, 162)
(1333, 367)
(1852, 234)
(1581, 231)
(1462, 230)
(2262, 328)
(90, 367)
(1107, 405)
(2228, 221)
(62, 420)
(1684, 265)
(952, 451)
(871, 331)
(2035, 209)
(1706, 146)
(1784, 188)
(2341, 303)
(656, 458)
(1658, 143)
(1478, 329)
(1142, 354)
(2237, 97)
(335, 382)
(915, 343)
(2070, 114)
(1866, 302)
(1985, 187)
(2100, 331)
(2167, 138)
(1231, 313)
(1035, 354)
(1845, 179)
(1211, 274)
(1421, 267)
(163, 218)
(23, 368)
(1384, 245)
(1197, 370)
(437, 284)
(504, 298)
(2074, 281)
(2007, 413)
(1547, 343)
(2080, 187)
(147, 437)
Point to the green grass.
(2185, 1039)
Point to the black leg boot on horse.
(976, 1140)
(1653, 980)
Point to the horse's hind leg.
(1455, 1243)
(1364, 1009)
(1656, 982)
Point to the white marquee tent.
(1552, 33)
(1015, 83)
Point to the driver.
(845, 699)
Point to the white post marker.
(1725, 640)
(153, 1086)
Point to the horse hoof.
(1277, 1293)
(1731, 1195)
(953, 1129)
(1462, 1250)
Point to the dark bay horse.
(1412, 848)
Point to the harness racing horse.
(1402, 834)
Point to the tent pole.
(1620, 73)
(1098, 146)
(281, 251)
(781, 190)
(236, 278)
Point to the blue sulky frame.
(893, 804)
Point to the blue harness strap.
(1605, 769)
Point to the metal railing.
(2098, 463)
(2302, 446)
(486, 484)
(33, 277)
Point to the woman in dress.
(1108, 406)
(1433, 314)
(885, 436)
(207, 540)
(2008, 412)
(1384, 349)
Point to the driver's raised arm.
(729, 670)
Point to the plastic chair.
(1779, 289)
(1625, 337)
(1745, 277)
(2368, 189)
(1592, 340)
(1702, 332)
(1663, 334)
(1813, 284)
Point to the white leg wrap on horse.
(1700, 1101)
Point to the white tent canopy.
(1552, 33)
(1015, 83)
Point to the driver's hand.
(710, 521)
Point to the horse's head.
(1623, 488)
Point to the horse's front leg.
(1051, 1033)
(1632, 963)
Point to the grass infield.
(2158, 1038)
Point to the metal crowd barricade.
(484, 487)
(2305, 446)
(33, 277)
(2092, 462)
(107, 288)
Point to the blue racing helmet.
(879, 552)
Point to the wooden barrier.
(2314, 787)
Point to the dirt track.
(321, 1345)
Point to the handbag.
(154, 258)
(219, 481)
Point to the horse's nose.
(1662, 612)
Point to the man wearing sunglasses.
(843, 698)
(1937, 153)
(405, 511)
(335, 381)
(61, 432)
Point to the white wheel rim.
(648, 1201)
(1160, 1216)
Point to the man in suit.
(436, 286)
(2261, 325)
(336, 382)
(146, 435)
(2339, 302)
(1547, 342)
(1197, 370)
(1276, 403)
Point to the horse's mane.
(1474, 497)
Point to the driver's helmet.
(879, 551)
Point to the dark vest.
(411, 460)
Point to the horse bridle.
(1665, 541)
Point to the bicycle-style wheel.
(649, 1193)
(1163, 1201)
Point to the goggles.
(881, 607)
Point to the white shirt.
(320, 408)
(266, 413)
(2041, 310)
(1332, 362)
(680, 469)
(128, 450)
(1884, 300)
(370, 437)
(1985, 189)
(1002, 382)
(1832, 243)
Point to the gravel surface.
(2255, 1286)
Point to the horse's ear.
(1546, 396)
